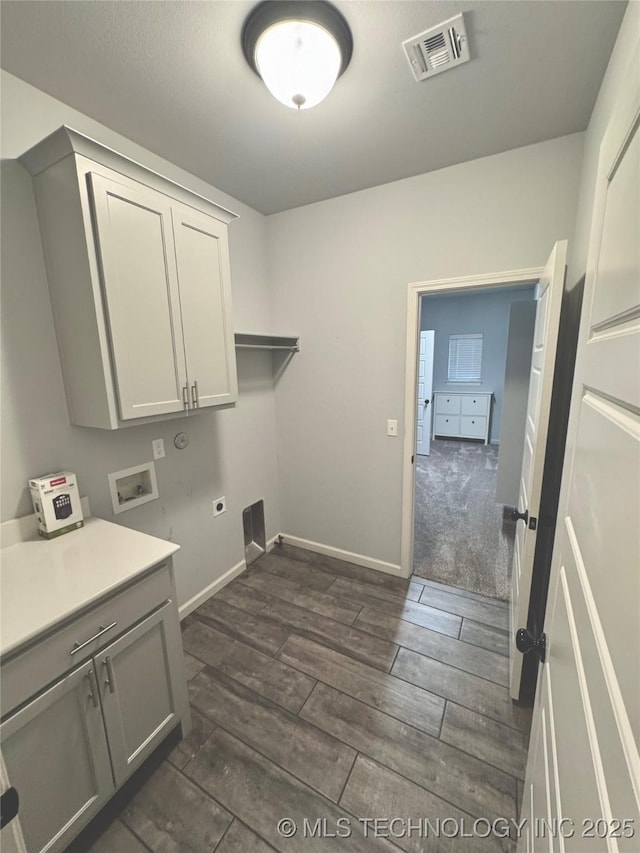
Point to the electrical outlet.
(158, 448)
(392, 427)
(219, 506)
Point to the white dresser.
(462, 415)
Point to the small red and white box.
(56, 502)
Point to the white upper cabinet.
(139, 278)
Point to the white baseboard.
(271, 542)
(189, 606)
(347, 556)
(328, 550)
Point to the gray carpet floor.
(460, 536)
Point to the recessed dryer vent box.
(133, 487)
(56, 502)
(254, 534)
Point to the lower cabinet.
(67, 750)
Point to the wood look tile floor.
(324, 690)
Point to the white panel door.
(205, 299)
(425, 393)
(135, 242)
(584, 765)
(543, 360)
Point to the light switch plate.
(392, 427)
(158, 448)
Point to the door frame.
(415, 291)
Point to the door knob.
(531, 522)
(426, 402)
(9, 805)
(526, 642)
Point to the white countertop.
(43, 582)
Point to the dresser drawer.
(473, 427)
(475, 405)
(447, 425)
(447, 404)
(49, 658)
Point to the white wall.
(231, 452)
(484, 313)
(340, 270)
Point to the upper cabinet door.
(205, 298)
(137, 258)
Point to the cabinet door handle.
(103, 630)
(93, 687)
(110, 679)
(195, 402)
(185, 395)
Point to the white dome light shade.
(299, 62)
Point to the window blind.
(465, 358)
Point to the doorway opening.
(416, 291)
(545, 427)
(473, 378)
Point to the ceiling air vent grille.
(437, 49)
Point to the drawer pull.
(93, 687)
(110, 679)
(103, 630)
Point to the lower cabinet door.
(139, 676)
(56, 757)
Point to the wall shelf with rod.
(258, 340)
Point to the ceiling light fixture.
(298, 47)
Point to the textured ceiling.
(171, 76)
